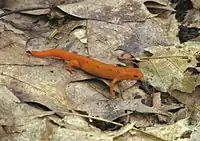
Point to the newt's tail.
(41, 54)
(55, 53)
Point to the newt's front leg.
(112, 86)
(71, 64)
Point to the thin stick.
(157, 57)
(163, 57)
(24, 9)
(97, 118)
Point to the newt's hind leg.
(71, 64)
(112, 86)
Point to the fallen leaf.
(14, 113)
(170, 132)
(195, 134)
(102, 10)
(196, 4)
(70, 35)
(33, 78)
(133, 37)
(188, 98)
(67, 134)
(97, 105)
(19, 4)
(20, 119)
(73, 122)
(29, 84)
(166, 68)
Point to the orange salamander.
(93, 67)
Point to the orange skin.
(93, 67)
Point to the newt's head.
(138, 75)
(134, 74)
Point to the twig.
(24, 65)
(163, 57)
(157, 57)
(97, 118)
(24, 9)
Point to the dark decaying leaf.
(112, 11)
(130, 37)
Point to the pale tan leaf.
(166, 68)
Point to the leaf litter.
(166, 69)
(44, 87)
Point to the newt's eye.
(135, 76)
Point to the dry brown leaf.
(170, 132)
(46, 81)
(196, 134)
(95, 104)
(188, 98)
(15, 113)
(70, 35)
(196, 4)
(166, 68)
(19, 4)
(64, 134)
(21, 24)
(29, 75)
(21, 121)
(104, 38)
(113, 11)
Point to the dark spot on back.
(97, 66)
(109, 69)
(189, 61)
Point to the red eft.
(93, 67)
